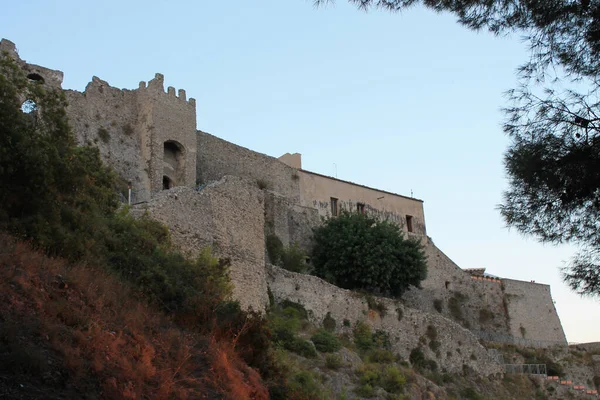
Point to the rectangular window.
(360, 208)
(409, 225)
(334, 206)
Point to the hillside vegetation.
(95, 304)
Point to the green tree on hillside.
(553, 162)
(355, 251)
(50, 190)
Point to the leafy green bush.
(418, 360)
(416, 357)
(293, 259)
(274, 249)
(470, 394)
(365, 340)
(381, 339)
(302, 313)
(326, 342)
(366, 391)
(380, 356)
(285, 323)
(376, 305)
(301, 347)
(104, 135)
(370, 374)
(434, 345)
(304, 385)
(363, 336)
(290, 257)
(355, 251)
(393, 381)
(455, 306)
(333, 361)
(329, 322)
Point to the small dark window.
(36, 77)
(447, 285)
(167, 183)
(334, 206)
(360, 208)
(409, 224)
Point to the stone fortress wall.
(228, 216)
(532, 312)
(149, 137)
(218, 157)
(406, 326)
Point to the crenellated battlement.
(147, 134)
(157, 85)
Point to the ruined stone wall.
(532, 312)
(130, 127)
(49, 77)
(317, 190)
(452, 292)
(165, 117)
(218, 157)
(290, 222)
(106, 117)
(457, 346)
(227, 215)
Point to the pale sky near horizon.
(401, 102)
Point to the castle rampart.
(330, 196)
(149, 137)
(532, 312)
(218, 157)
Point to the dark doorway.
(167, 183)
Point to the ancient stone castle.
(210, 192)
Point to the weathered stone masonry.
(149, 137)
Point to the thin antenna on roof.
(411, 193)
(335, 165)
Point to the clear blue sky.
(401, 102)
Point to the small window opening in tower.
(409, 223)
(28, 106)
(360, 208)
(36, 77)
(167, 183)
(334, 206)
(447, 285)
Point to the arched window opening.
(36, 77)
(29, 106)
(173, 164)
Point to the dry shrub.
(79, 326)
(232, 376)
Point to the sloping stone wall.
(532, 312)
(218, 157)
(458, 346)
(475, 304)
